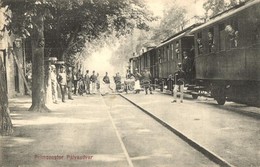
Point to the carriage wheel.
(130, 87)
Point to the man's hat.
(179, 64)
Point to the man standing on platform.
(62, 80)
(179, 76)
(87, 82)
(146, 81)
(75, 76)
(93, 80)
(117, 80)
(106, 81)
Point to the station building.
(11, 46)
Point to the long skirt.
(106, 89)
(137, 85)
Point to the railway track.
(194, 144)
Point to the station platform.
(76, 133)
(81, 133)
(221, 129)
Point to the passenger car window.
(199, 43)
(177, 50)
(232, 32)
(211, 41)
(222, 37)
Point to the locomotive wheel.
(195, 96)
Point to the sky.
(194, 7)
(99, 61)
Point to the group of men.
(60, 79)
(90, 84)
(66, 80)
(82, 83)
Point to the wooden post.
(21, 71)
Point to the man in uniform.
(179, 76)
(146, 81)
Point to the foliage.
(168, 25)
(70, 24)
(172, 22)
(214, 7)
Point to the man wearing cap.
(179, 76)
(62, 80)
(146, 81)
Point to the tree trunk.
(5, 120)
(38, 89)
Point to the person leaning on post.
(69, 83)
(179, 76)
(54, 84)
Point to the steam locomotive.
(224, 56)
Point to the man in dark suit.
(146, 81)
(187, 66)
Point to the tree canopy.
(213, 7)
(60, 28)
(68, 25)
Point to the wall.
(6, 45)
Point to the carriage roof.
(226, 14)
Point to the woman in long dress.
(137, 86)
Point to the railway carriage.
(225, 52)
(170, 53)
(227, 60)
